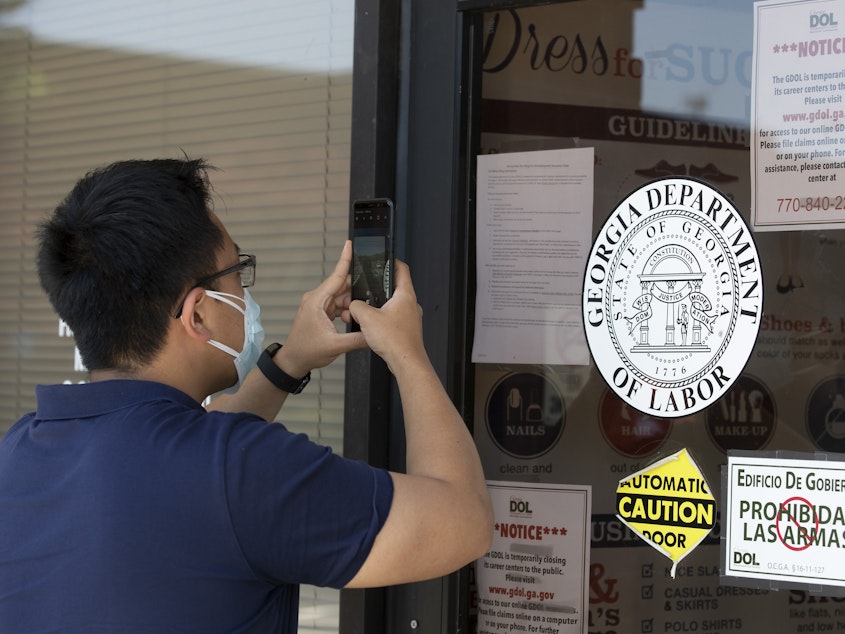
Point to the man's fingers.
(337, 283)
(402, 278)
(341, 269)
(358, 309)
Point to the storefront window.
(658, 89)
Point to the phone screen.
(372, 251)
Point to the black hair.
(119, 253)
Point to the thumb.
(359, 310)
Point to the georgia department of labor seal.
(673, 295)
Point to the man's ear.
(193, 314)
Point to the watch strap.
(276, 375)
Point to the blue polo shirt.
(126, 507)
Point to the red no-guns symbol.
(796, 514)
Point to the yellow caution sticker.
(669, 505)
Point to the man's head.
(120, 252)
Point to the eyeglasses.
(245, 268)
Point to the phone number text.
(811, 203)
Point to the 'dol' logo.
(520, 507)
(746, 559)
(822, 19)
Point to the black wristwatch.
(276, 375)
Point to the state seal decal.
(672, 298)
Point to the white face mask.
(246, 359)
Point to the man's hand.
(394, 331)
(314, 341)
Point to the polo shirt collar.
(94, 399)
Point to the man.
(125, 506)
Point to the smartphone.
(372, 251)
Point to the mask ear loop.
(224, 348)
(224, 297)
